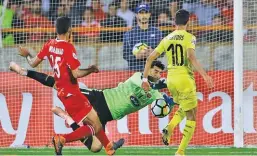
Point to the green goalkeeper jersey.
(129, 97)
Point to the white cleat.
(17, 69)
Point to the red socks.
(85, 131)
(81, 132)
(102, 138)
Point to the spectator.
(192, 23)
(71, 8)
(17, 22)
(36, 20)
(125, 13)
(104, 4)
(7, 38)
(158, 6)
(89, 21)
(191, 5)
(111, 21)
(143, 33)
(219, 35)
(206, 11)
(59, 9)
(98, 11)
(163, 20)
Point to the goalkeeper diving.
(110, 104)
(180, 51)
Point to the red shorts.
(77, 106)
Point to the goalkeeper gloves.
(160, 84)
(168, 100)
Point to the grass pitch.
(132, 151)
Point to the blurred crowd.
(112, 13)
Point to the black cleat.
(165, 137)
(118, 144)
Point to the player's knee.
(97, 127)
(96, 146)
(191, 114)
(96, 149)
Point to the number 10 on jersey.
(175, 49)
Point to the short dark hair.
(158, 64)
(218, 16)
(88, 9)
(113, 4)
(182, 17)
(62, 25)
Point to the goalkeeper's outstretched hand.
(168, 100)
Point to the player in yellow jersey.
(179, 47)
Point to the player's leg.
(77, 107)
(91, 142)
(188, 131)
(188, 103)
(103, 115)
(110, 147)
(179, 114)
(61, 113)
(168, 130)
(40, 77)
(82, 112)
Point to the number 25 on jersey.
(55, 61)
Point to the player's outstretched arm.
(44, 79)
(149, 61)
(78, 73)
(33, 61)
(198, 67)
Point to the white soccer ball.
(160, 108)
(138, 47)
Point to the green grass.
(132, 151)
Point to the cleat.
(166, 136)
(180, 153)
(58, 142)
(113, 146)
(109, 149)
(118, 144)
(17, 69)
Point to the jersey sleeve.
(71, 58)
(191, 43)
(43, 52)
(160, 48)
(136, 78)
(157, 94)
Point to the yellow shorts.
(183, 90)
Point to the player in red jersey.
(62, 57)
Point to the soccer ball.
(160, 108)
(138, 47)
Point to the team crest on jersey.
(74, 56)
(134, 101)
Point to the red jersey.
(62, 57)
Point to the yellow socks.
(177, 118)
(187, 134)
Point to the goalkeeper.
(110, 104)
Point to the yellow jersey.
(175, 45)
